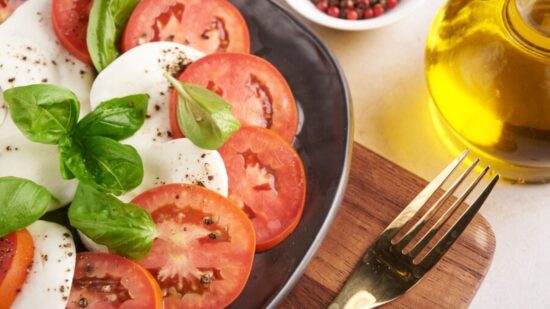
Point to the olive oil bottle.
(488, 72)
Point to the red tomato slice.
(204, 253)
(7, 7)
(209, 26)
(16, 255)
(266, 179)
(70, 22)
(258, 92)
(105, 280)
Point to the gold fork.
(389, 268)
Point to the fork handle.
(360, 300)
(354, 294)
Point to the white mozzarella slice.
(180, 161)
(30, 53)
(141, 70)
(20, 157)
(50, 278)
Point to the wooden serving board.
(378, 190)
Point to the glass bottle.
(488, 72)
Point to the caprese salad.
(167, 140)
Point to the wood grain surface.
(377, 191)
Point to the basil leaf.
(125, 229)
(203, 116)
(117, 119)
(21, 203)
(103, 163)
(106, 24)
(65, 171)
(43, 112)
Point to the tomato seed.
(83, 302)
(88, 268)
(207, 221)
(205, 280)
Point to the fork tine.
(456, 230)
(421, 199)
(413, 231)
(446, 216)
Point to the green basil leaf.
(106, 24)
(103, 163)
(203, 116)
(117, 119)
(65, 171)
(21, 203)
(125, 229)
(43, 112)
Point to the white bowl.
(307, 9)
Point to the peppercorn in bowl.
(354, 15)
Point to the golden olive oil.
(488, 71)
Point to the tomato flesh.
(204, 252)
(267, 180)
(257, 91)
(209, 26)
(16, 257)
(70, 22)
(7, 7)
(104, 280)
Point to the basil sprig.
(203, 116)
(125, 229)
(21, 203)
(89, 149)
(105, 26)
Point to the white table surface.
(385, 70)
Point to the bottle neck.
(529, 20)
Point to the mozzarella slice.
(50, 278)
(141, 70)
(180, 161)
(20, 157)
(30, 53)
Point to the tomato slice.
(16, 256)
(70, 22)
(266, 179)
(209, 26)
(7, 7)
(204, 253)
(258, 92)
(105, 280)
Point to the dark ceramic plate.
(323, 142)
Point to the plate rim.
(297, 274)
